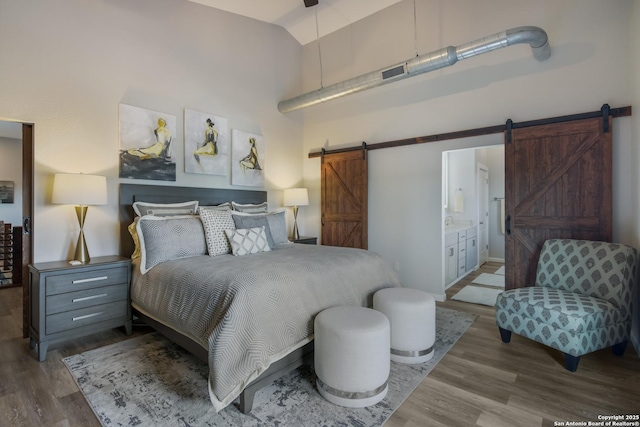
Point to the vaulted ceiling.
(299, 20)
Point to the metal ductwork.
(534, 36)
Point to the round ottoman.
(412, 314)
(352, 355)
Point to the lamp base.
(82, 252)
(296, 234)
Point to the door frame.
(483, 217)
(27, 218)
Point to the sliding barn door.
(344, 199)
(557, 185)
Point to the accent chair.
(581, 300)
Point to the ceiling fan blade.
(309, 3)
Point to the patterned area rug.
(150, 381)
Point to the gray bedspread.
(250, 311)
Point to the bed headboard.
(130, 193)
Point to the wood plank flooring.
(480, 382)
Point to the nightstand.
(306, 240)
(68, 301)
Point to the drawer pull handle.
(91, 279)
(88, 298)
(86, 316)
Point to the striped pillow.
(251, 208)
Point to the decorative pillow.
(250, 221)
(221, 207)
(136, 240)
(245, 241)
(165, 209)
(251, 208)
(167, 238)
(215, 223)
(277, 225)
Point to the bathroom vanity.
(460, 252)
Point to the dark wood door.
(344, 199)
(557, 185)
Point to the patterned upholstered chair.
(581, 301)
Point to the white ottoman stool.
(352, 355)
(412, 314)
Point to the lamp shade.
(79, 189)
(296, 197)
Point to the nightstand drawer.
(85, 298)
(69, 282)
(85, 316)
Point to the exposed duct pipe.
(445, 57)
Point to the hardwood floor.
(480, 382)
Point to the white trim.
(496, 259)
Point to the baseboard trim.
(440, 297)
(496, 259)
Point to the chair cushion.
(573, 323)
(571, 312)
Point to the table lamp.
(80, 190)
(296, 197)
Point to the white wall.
(67, 65)
(493, 158)
(633, 178)
(589, 66)
(462, 176)
(11, 170)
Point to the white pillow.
(245, 241)
(165, 209)
(215, 223)
(226, 206)
(165, 238)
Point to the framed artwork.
(7, 189)
(206, 143)
(146, 139)
(247, 159)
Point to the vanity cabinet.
(460, 253)
(471, 252)
(451, 258)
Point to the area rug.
(500, 271)
(477, 295)
(487, 279)
(149, 381)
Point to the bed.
(249, 317)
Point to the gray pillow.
(167, 238)
(252, 221)
(277, 225)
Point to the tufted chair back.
(598, 269)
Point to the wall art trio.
(147, 147)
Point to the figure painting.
(247, 159)
(146, 139)
(206, 143)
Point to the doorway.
(16, 144)
(482, 190)
(483, 213)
